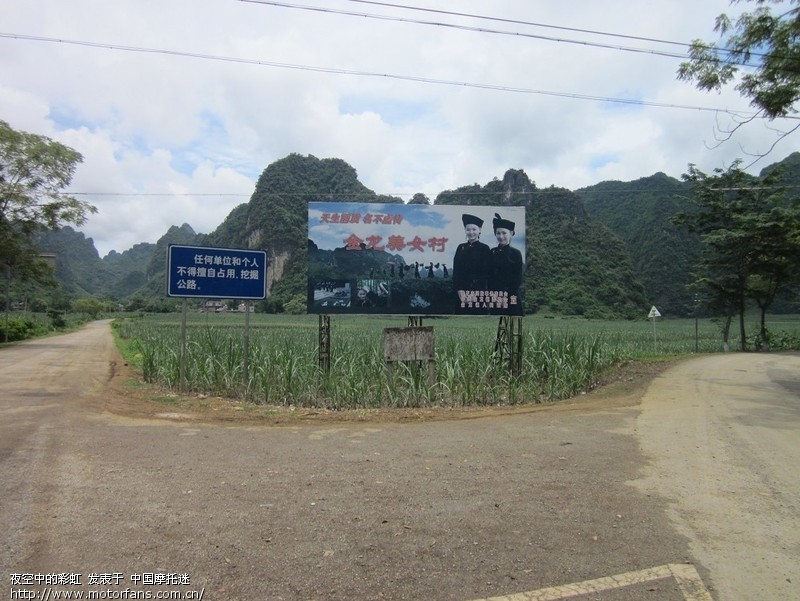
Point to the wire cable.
(519, 22)
(374, 74)
(563, 28)
(680, 55)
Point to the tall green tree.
(775, 257)
(33, 172)
(749, 230)
(760, 51)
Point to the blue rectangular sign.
(195, 271)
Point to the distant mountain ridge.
(607, 250)
(639, 212)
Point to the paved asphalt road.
(689, 493)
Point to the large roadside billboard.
(412, 259)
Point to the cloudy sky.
(177, 106)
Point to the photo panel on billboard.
(370, 258)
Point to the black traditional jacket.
(505, 269)
(471, 266)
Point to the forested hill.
(575, 265)
(275, 219)
(639, 212)
(789, 171)
(605, 250)
(137, 273)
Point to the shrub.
(20, 329)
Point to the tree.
(33, 172)
(89, 306)
(751, 249)
(775, 258)
(419, 199)
(764, 43)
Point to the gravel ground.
(101, 479)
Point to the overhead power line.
(370, 195)
(374, 74)
(681, 55)
(684, 55)
(175, 194)
(520, 22)
(562, 27)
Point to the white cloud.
(169, 138)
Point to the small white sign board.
(653, 313)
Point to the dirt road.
(723, 434)
(688, 492)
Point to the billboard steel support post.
(516, 347)
(325, 343)
(508, 345)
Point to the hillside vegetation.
(608, 250)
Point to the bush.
(20, 329)
(780, 341)
(57, 319)
(296, 306)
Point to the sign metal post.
(218, 273)
(652, 315)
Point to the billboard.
(412, 259)
(195, 271)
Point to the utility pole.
(8, 298)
